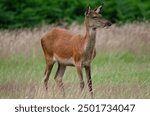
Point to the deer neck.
(90, 40)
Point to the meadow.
(121, 68)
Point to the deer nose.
(108, 24)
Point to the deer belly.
(65, 61)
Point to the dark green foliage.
(28, 13)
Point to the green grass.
(114, 75)
(122, 68)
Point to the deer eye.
(94, 17)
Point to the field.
(121, 68)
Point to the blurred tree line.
(28, 13)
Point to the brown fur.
(66, 48)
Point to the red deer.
(69, 49)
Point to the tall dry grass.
(112, 78)
(131, 37)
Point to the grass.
(115, 75)
(121, 68)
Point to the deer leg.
(89, 80)
(58, 77)
(80, 75)
(48, 69)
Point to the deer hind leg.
(89, 80)
(80, 75)
(49, 62)
(49, 66)
(58, 77)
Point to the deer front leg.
(89, 80)
(80, 75)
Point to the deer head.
(94, 19)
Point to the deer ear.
(87, 11)
(98, 9)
